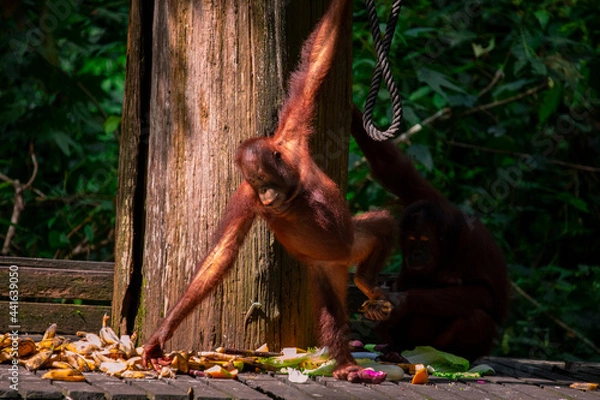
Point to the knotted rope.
(382, 69)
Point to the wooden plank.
(540, 363)
(433, 392)
(466, 391)
(274, 387)
(36, 317)
(535, 370)
(30, 385)
(499, 379)
(316, 390)
(568, 393)
(591, 371)
(8, 393)
(197, 388)
(159, 390)
(560, 372)
(57, 264)
(500, 391)
(79, 390)
(555, 370)
(236, 389)
(114, 388)
(256, 386)
(579, 364)
(50, 283)
(24, 374)
(396, 391)
(523, 376)
(580, 374)
(5, 374)
(357, 390)
(535, 392)
(41, 390)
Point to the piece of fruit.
(219, 372)
(584, 386)
(26, 347)
(421, 376)
(66, 375)
(106, 332)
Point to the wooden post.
(201, 78)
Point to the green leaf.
(543, 17)
(64, 142)
(511, 86)
(410, 116)
(107, 205)
(439, 101)
(437, 80)
(422, 154)
(51, 221)
(479, 50)
(420, 92)
(5, 185)
(111, 124)
(57, 239)
(519, 64)
(439, 360)
(576, 202)
(89, 232)
(550, 102)
(465, 100)
(538, 67)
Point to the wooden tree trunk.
(201, 78)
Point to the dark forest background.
(507, 93)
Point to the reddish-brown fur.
(456, 302)
(302, 206)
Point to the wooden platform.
(515, 379)
(74, 294)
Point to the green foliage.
(61, 91)
(519, 81)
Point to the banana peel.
(107, 334)
(118, 356)
(82, 347)
(126, 345)
(36, 361)
(179, 362)
(78, 362)
(91, 338)
(65, 374)
(26, 347)
(50, 332)
(219, 372)
(138, 374)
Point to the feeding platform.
(43, 281)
